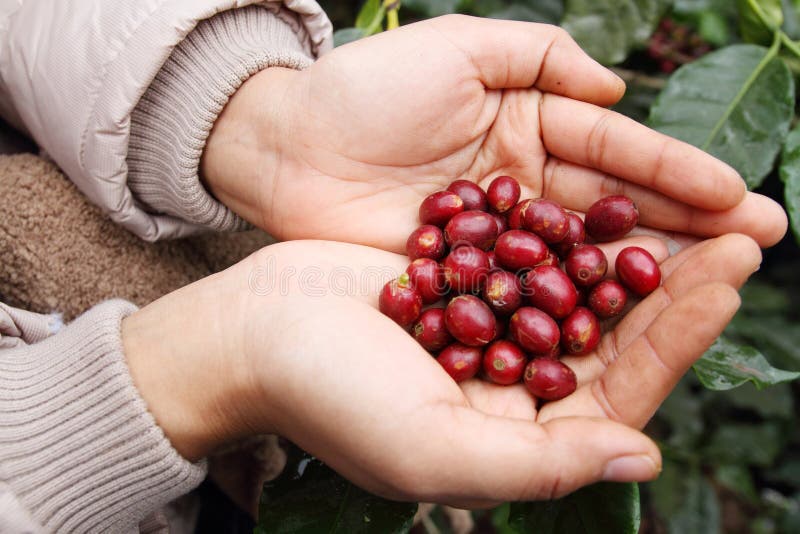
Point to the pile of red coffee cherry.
(508, 286)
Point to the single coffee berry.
(549, 379)
(611, 218)
(427, 277)
(586, 265)
(470, 321)
(400, 301)
(473, 196)
(466, 269)
(546, 219)
(440, 207)
(430, 330)
(550, 289)
(580, 332)
(638, 270)
(534, 330)
(576, 235)
(460, 361)
(502, 223)
(607, 299)
(518, 249)
(427, 241)
(503, 193)
(514, 215)
(502, 292)
(504, 362)
(476, 228)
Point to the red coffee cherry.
(476, 228)
(460, 361)
(400, 301)
(576, 235)
(502, 292)
(427, 277)
(580, 332)
(430, 330)
(470, 321)
(466, 269)
(549, 379)
(473, 196)
(607, 299)
(638, 271)
(546, 219)
(550, 289)
(427, 241)
(534, 330)
(611, 218)
(503, 193)
(504, 362)
(518, 249)
(514, 215)
(586, 265)
(440, 207)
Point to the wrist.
(248, 146)
(183, 358)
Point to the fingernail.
(631, 469)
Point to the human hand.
(311, 358)
(347, 149)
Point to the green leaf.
(790, 174)
(758, 20)
(432, 8)
(761, 298)
(727, 365)
(597, 509)
(735, 103)
(370, 17)
(309, 497)
(776, 337)
(774, 402)
(756, 445)
(791, 19)
(698, 512)
(713, 27)
(347, 35)
(682, 412)
(547, 11)
(738, 479)
(609, 29)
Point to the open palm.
(351, 387)
(347, 149)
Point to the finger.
(645, 372)
(510, 54)
(577, 187)
(471, 458)
(612, 143)
(729, 259)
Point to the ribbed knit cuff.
(78, 447)
(172, 121)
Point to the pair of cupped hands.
(334, 161)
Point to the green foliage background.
(731, 450)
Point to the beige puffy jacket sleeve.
(81, 75)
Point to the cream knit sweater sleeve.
(79, 451)
(172, 121)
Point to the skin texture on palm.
(321, 366)
(347, 149)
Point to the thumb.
(519, 55)
(503, 459)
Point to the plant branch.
(644, 80)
